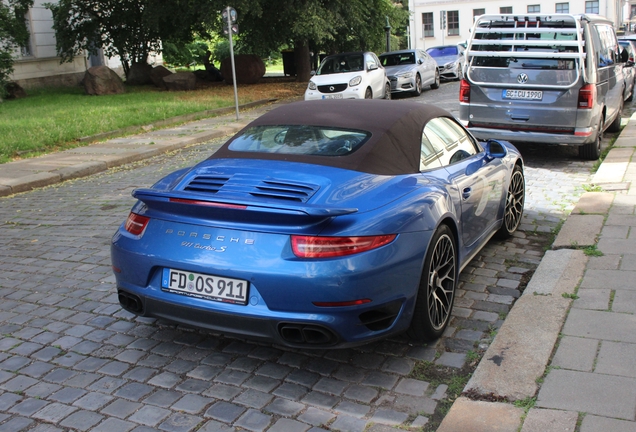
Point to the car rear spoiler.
(507, 36)
(183, 203)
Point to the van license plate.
(523, 94)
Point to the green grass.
(54, 119)
(49, 118)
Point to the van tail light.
(329, 247)
(464, 91)
(587, 96)
(136, 224)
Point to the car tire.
(368, 94)
(418, 85)
(615, 126)
(435, 85)
(387, 91)
(592, 151)
(513, 207)
(436, 291)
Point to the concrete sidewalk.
(565, 356)
(27, 174)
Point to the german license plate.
(523, 94)
(334, 96)
(204, 286)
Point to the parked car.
(410, 70)
(301, 231)
(450, 60)
(563, 84)
(630, 73)
(354, 75)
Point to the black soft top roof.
(395, 127)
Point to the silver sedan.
(410, 70)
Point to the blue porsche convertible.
(321, 224)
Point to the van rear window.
(524, 63)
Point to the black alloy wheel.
(513, 210)
(437, 287)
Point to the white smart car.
(354, 75)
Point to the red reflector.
(340, 304)
(327, 247)
(136, 224)
(207, 203)
(116, 269)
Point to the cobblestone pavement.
(72, 359)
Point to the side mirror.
(420, 61)
(372, 67)
(312, 73)
(494, 149)
(624, 56)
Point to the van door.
(610, 83)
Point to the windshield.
(299, 139)
(397, 59)
(442, 51)
(341, 63)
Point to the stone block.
(479, 416)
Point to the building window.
(534, 8)
(562, 8)
(505, 9)
(591, 7)
(477, 12)
(427, 24)
(453, 23)
(26, 50)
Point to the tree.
(130, 29)
(320, 26)
(13, 34)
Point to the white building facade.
(37, 64)
(448, 22)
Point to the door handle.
(466, 192)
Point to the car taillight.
(587, 96)
(464, 91)
(136, 224)
(328, 247)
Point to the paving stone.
(348, 423)
(316, 417)
(291, 391)
(121, 408)
(284, 407)
(401, 366)
(191, 403)
(225, 412)
(134, 391)
(303, 378)
(320, 400)
(378, 379)
(288, 425)
(221, 391)
(163, 398)
(361, 393)
(67, 395)
(254, 420)
(451, 359)
(165, 380)
(16, 424)
(113, 424)
(412, 387)
(141, 374)
(7, 400)
(149, 415)
(19, 383)
(576, 353)
(54, 413)
(28, 407)
(180, 422)
(604, 395)
(616, 358)
(598, 299)
(592, 423)
(93, 401)
(253, 399)
(541, 420)
(82, 420)
(479, 416)
(330, 385)
(352, 409)
(107, 384)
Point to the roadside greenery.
(54, 119)
(13, 34)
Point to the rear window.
(442, 51)
(546, 39)
(299, 139)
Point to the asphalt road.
(72, 359)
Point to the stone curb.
(518, 356)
